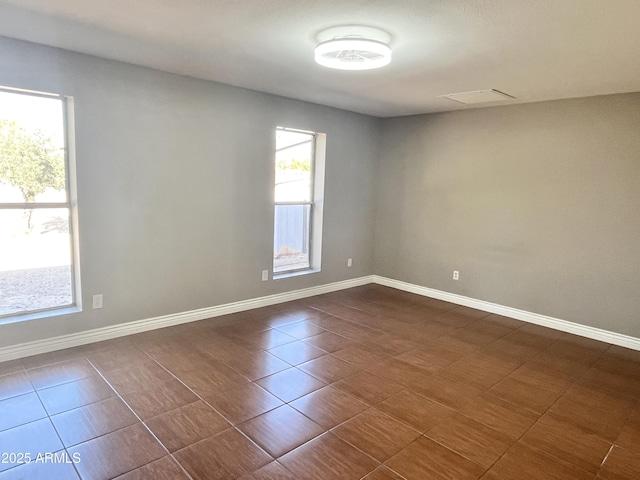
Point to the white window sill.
(39, 315)
(299, 273)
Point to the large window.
(36, 248)
(297, 220)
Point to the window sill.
(39, 315)
(299, 273)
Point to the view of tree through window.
(35, 241)
(293, 200)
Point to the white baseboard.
(129, 328)
(551, 322)
(107, 333)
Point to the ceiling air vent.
(478, 96)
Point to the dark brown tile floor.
(369, 383)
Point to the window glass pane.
(294, 152)
(32, 157)
(287, 138)
(35, 260)
(291, 242)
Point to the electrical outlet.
(349, 262)
(265, 275)
(456, 275)
(97, 301)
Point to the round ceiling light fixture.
(353, 48)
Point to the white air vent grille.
(478, 96)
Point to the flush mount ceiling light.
(353, 48)
(353, 53)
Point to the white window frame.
(70, 204)
(316, 203)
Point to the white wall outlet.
(265, 275)
(97, 301)
(349, 262)
(456, 275)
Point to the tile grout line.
(605, 459)
(573, 381)
(200, 398)
(36, 391)
(142, 422)
(288, 403)
(504, 376)
(51, 420)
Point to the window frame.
(312, 265)
(70, 204)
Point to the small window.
(36, 248)
(296, 196)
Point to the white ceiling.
(532, 49)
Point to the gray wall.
(537, 206)
(175, 187)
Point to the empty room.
(357, 240)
